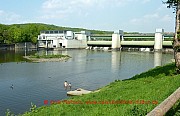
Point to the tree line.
(29, 32)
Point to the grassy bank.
(135, 96)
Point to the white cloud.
(63, 8)
(93, 12)
(159, 15)
(9, 17)
(66, 5)
(148, 18)
(151, 16)
(162, 7)
(167, 18)
(145, 1)
(1, 12)
(53, 4)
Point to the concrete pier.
(158, 39)
(116, 39)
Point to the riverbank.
(47, 58)
(135, 96)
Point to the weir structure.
(156, 41)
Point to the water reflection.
(13, 56)
(115, 60)
(157, 59)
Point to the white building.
(63, 39)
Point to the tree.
(15, 34)
(3, 33)
(175, 4)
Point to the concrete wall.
(7, 46)
(56, 43)
(20, 46)
(80, 37)
(26, 45)
(75, 43)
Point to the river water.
(87, 69)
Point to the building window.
(47, 32)
(40, 37)
(60, 31)
(55, 31)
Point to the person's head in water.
(65, 84)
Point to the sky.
(110, 15)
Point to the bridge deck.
(128, 43)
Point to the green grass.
(136, 96)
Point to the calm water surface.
(36, 82)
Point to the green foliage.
(137, 111)
(9, 113)
(172, 3)
(175, 110)
(33, 108)
(34, 40)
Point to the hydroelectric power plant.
(54, 39)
